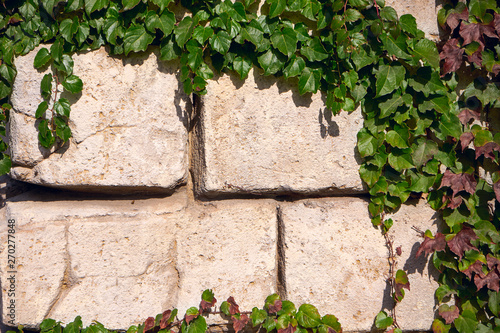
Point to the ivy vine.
(425, 133)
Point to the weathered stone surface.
(128, 126)
(336, 260)
(424, 11)
(261, 136)
(120, 261)
(229, 247)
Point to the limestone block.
(261, 136)
(128, 126)
(121, 261)
(424, 11)
(336, 260)
(229, 247)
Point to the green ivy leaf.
(314, 50)
(295, 67)
(5, 164)
(400, 159)
(40, 111)
(252, 32)
(370, 174)
(62, 107)
(494, 302)
(388, 79)
(478, 8)
(42, 58)
(409, 24)
(129, 4)
(396, 47)
(68, 28)
(308, 316)
(62, 129)
(113, 29)
(46, 86)
(276, 7)
(95, 5)
(311, 9)
(73, 84)
(242, 66)
(224, 307)
(258, 316)
(285, 41)
(309, 81)
(197, 325)
(382, 321)
(423, 151)
(466, 322)
(65, 64)
(201, 34)
(390, 106)
(136, 39)
(169, 50)
(271, 62)
(439, 327)
(449, 126)
(183, 31)
(397, 138)
(221, 42)
(427, 50)
(161, 3)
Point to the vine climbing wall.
(249, 190)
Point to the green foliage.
(420, 136)
(277, 316)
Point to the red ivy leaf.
(487, 150)
(492, 262)
(455, 202)
(496, 188)
(239, 324)
(452, 56)
(234, 308)
(470, 32)
(149, 324)
(496, 23)
(466, 115)
(291, 329)
(461, 242)
(475, 267)
(449, 313)
(430, 245)
(454, 19)
(164, 319)
(459, 182)
(491, 280)
(476, 57)
(399, 251)
(274, 308)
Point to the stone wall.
(250, 190)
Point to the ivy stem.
(392, 264)
(345, 26)
(52, 125)
(376, 7)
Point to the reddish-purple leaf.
(205, 306)
(455, 202)
(274, 308)
(496, 23)
(491, 280)
(14, 20)
(470, 32)
(399, 251)
(454, 19)
(459, 182)
(475, 267)
(239, 324)
(291, 329)
(465, 140)
(234, 308)
(164, 319)
(476, 57)
(487, 150)
(449, 313)
(492, 262)
(466, 115)
(452, 56)
(149, 324)
(430, 245)
(461, 242)
(496, 188)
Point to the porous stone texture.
(336, 260)
(424, 11)
(128, 126)
(260, 136)
(120, 261)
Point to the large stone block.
(120, 261)
(336, 260)
(128, 126)
(260, 136)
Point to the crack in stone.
(67, 282)
(280, 254)
(102, 130)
